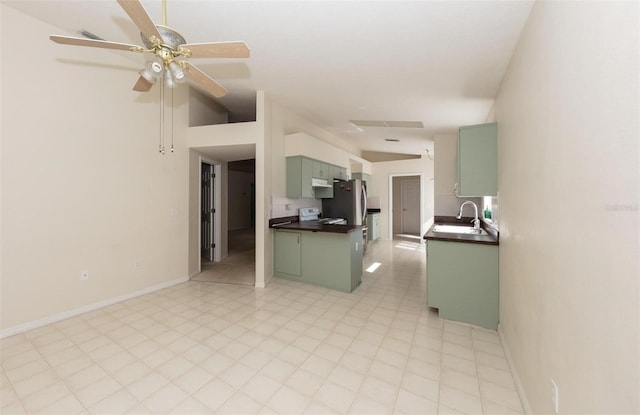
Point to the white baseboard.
(516, 379)
(21, 328)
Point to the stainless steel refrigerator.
(349, 202)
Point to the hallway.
(240, 265)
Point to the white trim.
(87, 308)
(516, 379)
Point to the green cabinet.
(363, 176)
(373, 221)
(337, 172)
(477, 173)
(462, 281)
(287, 253)
(299, 175)
(320, 169)
(332, 260)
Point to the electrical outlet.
(137, 264)
(555, 396)
(84, 275)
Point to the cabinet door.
(320, 170)
(306, 174)
(373, 220)
(376, 227)
(334, 172)
(287, 253)
(462, 281)
(299, 172)
(477, 160)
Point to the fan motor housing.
(170, 38)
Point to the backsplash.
(284, 206)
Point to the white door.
(411, 206)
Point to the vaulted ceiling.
(340, 64)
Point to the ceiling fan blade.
(78, 41)
(140, 17)
(142, 85)
(204, 81)
(218, 50)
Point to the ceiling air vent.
(387, 124)
(89, 35)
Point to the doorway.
(406, 196)
(234, 261)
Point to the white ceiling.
(438, 62)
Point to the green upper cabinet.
(363, 176)
(477, 173)
(337, 172)
(299, 174)
(320, 170)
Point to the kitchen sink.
(469, 230)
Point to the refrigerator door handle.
(364, 204)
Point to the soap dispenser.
(487, 213)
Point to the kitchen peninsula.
(318, 253)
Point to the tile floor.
(239, 267)
(286, 349)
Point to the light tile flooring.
(240, 265)
(287, 349)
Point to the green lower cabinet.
(462, 281)
(287, 253)
(373, 221)
(332, 260)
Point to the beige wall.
(205, 111)
(568, 191)
(240, 199)
(83, 185)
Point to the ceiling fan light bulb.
(148, 76)
(176, 72)
(155, 67)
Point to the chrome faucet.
(475, 221)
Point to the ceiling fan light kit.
(170, 53)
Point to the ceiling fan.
(170, 51)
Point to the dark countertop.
(491, 239)
(291, 223)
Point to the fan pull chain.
(161, 144)
(172, 120)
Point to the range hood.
(320, 183)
